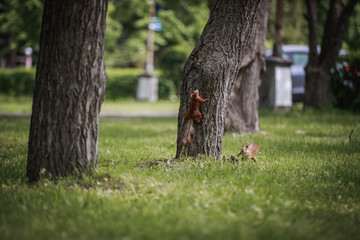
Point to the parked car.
(299, 55)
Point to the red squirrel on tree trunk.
(192, 114)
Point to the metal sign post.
(147, 89)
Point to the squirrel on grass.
(248, 151)
(193, 115)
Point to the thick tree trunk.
(317, 71)
(212, 67)
(242, 112)
(69, 88)
(316, 92)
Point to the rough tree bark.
(317, 71)
(212, 67)
(242, 112)
(69, 88)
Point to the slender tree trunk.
(69, 88)
(317, 71)
(12, 54)
(242, 113)
(212, 68)
(277, 49)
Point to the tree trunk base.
(315, 87)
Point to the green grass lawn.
(306, 184)
(23, 105)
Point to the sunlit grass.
(10, 104)
(306, 184)
(131, 105)
(24, 105)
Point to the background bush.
(121, 83)
(17, 82)
(172, 64)
(345, 83)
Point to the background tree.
(69, 88)
(242, 112)
(182, 23)
(212, 68)
(352, 32)
(20, 23)
(112, 34)
(318, 68)
(294, 29)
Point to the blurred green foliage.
(294, 28)
(352, 33)
(182, 21)
(113, 33)
(126, 37)
(344, 83)
(17, 82)
(121, 83)
(133, 16)
(351, 41)
(21, 21)
(180, 36)
(172, 65)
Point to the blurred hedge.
(344, 85)
(172, 64)
(17, 82)
(121, 83)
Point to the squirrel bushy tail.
(188, 133)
